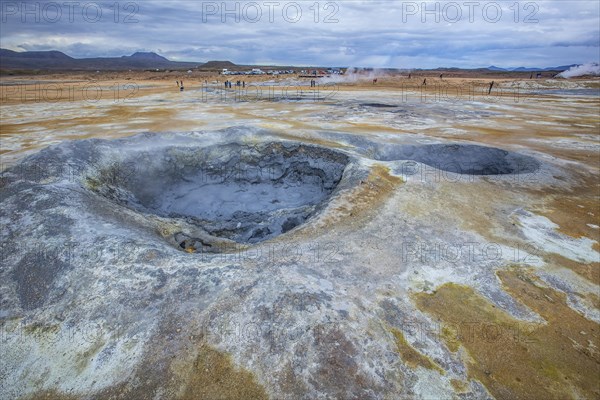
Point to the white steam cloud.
(581, 70)
(356, 74)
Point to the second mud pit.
(464, 159)
(232, 192)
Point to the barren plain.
(354, 240)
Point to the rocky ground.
(276, 241)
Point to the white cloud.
(367, 33)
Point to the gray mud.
(239, 192)
(466, 159)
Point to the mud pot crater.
(238, 192)
(459, 158)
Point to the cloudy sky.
(399, 34)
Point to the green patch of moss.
(555, 360)
(411, 356)
(214, 376)
(41, 329)
(49, 395)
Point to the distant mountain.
(218, 64)
(47, 55)
(55, 60)
(526, 69)
(562, 67)
(532, 69)
(146, 56)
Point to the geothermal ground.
(354, 241)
